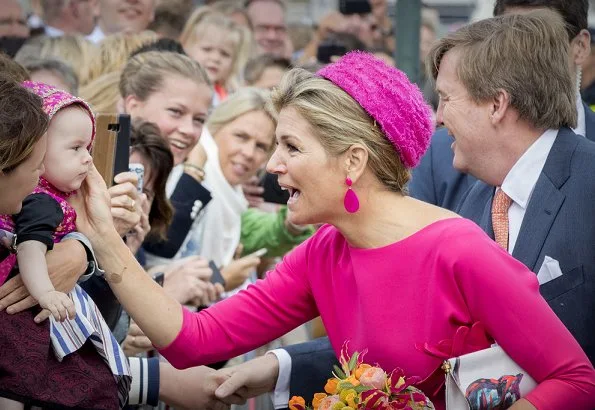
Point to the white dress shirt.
(520, 182)
(581, 128)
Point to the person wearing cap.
(379, 272)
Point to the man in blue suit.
(435, 180)
(551, 229)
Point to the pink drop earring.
(351, 201)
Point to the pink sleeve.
(504, 295)
(253, 317)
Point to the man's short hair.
(526, 55)
(574, 12)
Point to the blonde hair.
(339, 122)
(525, 55)
(203, 18)
(243, 101)
(115, 49)
(145, 72)
(76, 51)
(103, 93)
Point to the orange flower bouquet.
(359, 386)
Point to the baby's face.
(67, 159)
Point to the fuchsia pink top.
(408, 303)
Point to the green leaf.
(353, 361)
(361, 388)
(339, 373)
(346, 386)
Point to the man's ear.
(356, 161)
(499, 106)
(580, 47)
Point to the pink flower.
(373, 377)
(328, 402)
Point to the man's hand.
(192, 388)
(125, 204)
(66, 263)
(249, 379)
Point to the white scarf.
(215, 234)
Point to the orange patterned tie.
(500, 206)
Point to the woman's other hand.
(237, 271)
(136, 342)
(66, 262)
(125, 203)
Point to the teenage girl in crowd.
(173, 91)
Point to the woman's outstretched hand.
(92, 205)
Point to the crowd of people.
(298, 192)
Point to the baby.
(46, 217)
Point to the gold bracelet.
(196, 170)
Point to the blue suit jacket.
(436, 181)
(559, 222)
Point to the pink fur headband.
(54, 100)
(388, 97)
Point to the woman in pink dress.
(388, 273)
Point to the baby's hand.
(58, 304)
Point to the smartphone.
(354, 7)
(216, 277)
(326, 50)
(260, 253)
(139, 170)
(272, 191)
(122, 153)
